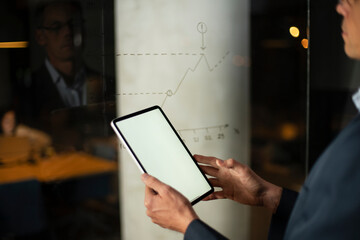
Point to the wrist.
(187, 222)
(271, 197)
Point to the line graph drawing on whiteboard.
(202, 58)
(170, 93)
(199, 97)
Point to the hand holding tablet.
(158, 150)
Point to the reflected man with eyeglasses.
(63, 81)
(60, 32)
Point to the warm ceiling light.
(305, 43)
(14, 44)
(294, 31)
(289, 131)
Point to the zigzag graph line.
(170, 92)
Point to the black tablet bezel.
(123, 139)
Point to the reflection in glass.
(58, 156)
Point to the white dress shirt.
(356, 99)
(74, 95)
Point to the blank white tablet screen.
(161, 153)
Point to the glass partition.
(58, 156)
(279, 55)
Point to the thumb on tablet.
(151, 181)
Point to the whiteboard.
(192, 59)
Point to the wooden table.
(57, 167)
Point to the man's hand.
(166, 206)
(239, 183)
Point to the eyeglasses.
(58, 26)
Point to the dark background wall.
(333, 77)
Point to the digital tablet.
(159, 151)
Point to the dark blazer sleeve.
(198, 230)
(280, 219)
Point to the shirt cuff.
(280, 219)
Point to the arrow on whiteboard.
(202, 28)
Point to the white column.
(192, 59)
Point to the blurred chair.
(21, 209)
(80, 209)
